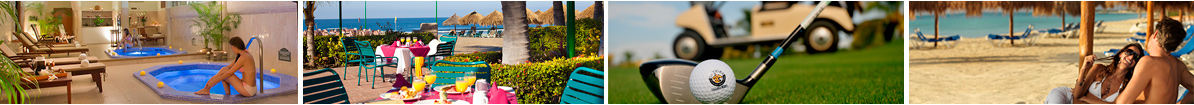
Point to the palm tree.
(558, 12)
(514, 48)
(599, 12)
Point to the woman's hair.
(237, 42)
(1126, 74)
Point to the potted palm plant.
(212, 22)
(10, 73)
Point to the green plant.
(547, 43)
(542, 82)
(10, 73)
(48, 22)
(213, 22)
(488, 56)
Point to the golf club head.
(668, 80)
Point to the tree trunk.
(309, 19)
(514, 44)
(557, 12)
(599, 11)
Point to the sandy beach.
(976, 72)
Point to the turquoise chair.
(369, 63)
(584, 89)
(333, 88)
(446, 75)
(447, 38)
(349, 45)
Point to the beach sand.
(976, 72)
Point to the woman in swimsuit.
(245, 85)
(1099, 83)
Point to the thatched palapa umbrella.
(587, 13)
(531, 17)
(936, 8)
(453, 21)
(493, 20)
(472, 19)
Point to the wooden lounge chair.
(33, 47)
(24, 37)
(323, 90)
(23, 59)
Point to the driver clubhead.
(668, 80)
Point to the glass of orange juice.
(430, 78)
(419, 85)
(461, 84)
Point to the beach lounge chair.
(325, 89)
(922, 41)
(32, 47)
(1099, 27)
(584, 89)
(1027, 37)
(446, 75)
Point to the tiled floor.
(121, 88)
(364, 92)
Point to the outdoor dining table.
(511, 98)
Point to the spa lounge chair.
(25, 37)
(323, 90)
(923, 41)
(23, 59)
(32, 47)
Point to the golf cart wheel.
(821, 37)
(689, 45)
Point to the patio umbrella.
(494, 19)
(936, 8)
(587, 13)
(453, 21)
(472, 19)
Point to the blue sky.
(420, 9)
(647, 28)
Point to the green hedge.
(547, 43)
(331, 51)
(491, 57)
(542, 82)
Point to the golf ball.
(712, 82)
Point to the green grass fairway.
(873, 75)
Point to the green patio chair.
(349, 46)
(584, 89)
(446, 75)
(332, 88)
(369, 62)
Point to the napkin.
(497, 95)
(400, 82)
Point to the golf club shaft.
(799, 32)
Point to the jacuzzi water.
(194, 79)
(143, 52)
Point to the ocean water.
(403, 24)
(997, 23)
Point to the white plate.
(387, 96)
(441, 89)
(433, 102)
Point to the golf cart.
(705, 36)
